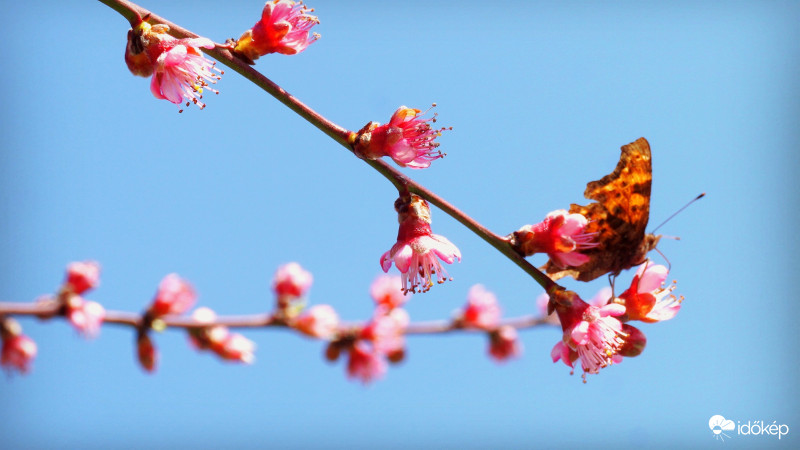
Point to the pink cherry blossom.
(17, 353)
(236, 348)
(284, 27)
(174, 296)
(592, 334)
(319, 321)
(182, 72)
(417, 251)
(386, 331)
(82, 276)
(291, 280)
(647, 299)
(560, 235)
(179, 70)
(365, 363)
(504, 344)
(482, 309)
(85, 316)
(408, 139)
(387, 291)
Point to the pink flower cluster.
(560, 235)
(284, 28)
(179, 70)
(381, 340)
(174, 296)
(291, 284)
(482, 311)
(417, 251)
(596, 333)
(408, 139)
(86, 316)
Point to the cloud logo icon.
(719, 425)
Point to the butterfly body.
(619, 216)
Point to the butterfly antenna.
(676, 212)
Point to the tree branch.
(264, 320)
(131, 11)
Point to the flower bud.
(82, 276)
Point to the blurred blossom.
(174, 296)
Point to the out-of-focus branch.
(264, 320)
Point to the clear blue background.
(540, 95)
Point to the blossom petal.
(579, 333)
(402, 258)
(573, 224)
(386, 261)
(663, 310)
(612, 309)
(652, 277)
(573, 259)
(561, 351)
(444, 249)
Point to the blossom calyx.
(144, 45)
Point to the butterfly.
(619, 216)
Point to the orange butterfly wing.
(619, 216)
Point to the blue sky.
(540, 96)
